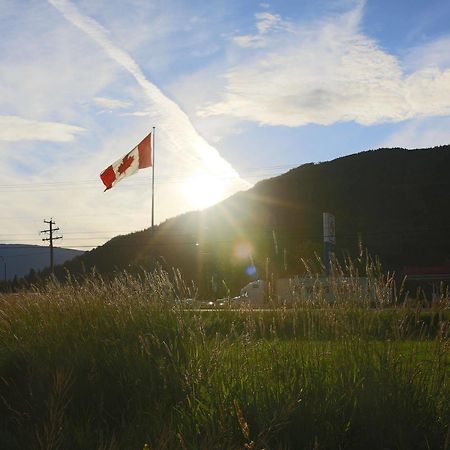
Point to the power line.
(89, 184)
(161, 178)
(171, 179)
(280, 235)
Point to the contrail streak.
(174, 124)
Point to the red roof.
(431, 270)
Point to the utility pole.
(4, 266)
(51, 238)
(329, 240)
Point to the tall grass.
(119, 364)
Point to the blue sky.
(238, 91)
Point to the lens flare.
(242, 250)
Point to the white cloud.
(420, 133)
(138, 113)
(326, 72)
(55, 74)
(198, 88)
(13, 128)
(431, 54)
(266, 22)
(179, 136)
(47, 67)
(111, 103)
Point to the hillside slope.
(394, 202)
(20, 259)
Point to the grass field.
(118, 365)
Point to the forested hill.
(16, 260)
(395, 202)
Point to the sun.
(203, 190)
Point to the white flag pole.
(153, 179)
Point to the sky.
(238, 91)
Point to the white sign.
(329, 228)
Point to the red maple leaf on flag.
(126, 162)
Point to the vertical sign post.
(329, 239)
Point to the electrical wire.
(269, 238)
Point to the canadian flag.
(139, 158)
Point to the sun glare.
(203, 190)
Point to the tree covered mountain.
(16, 260)
(392, 202)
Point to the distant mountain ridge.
(21, 258)
(394, 202)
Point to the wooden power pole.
(51, 238)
